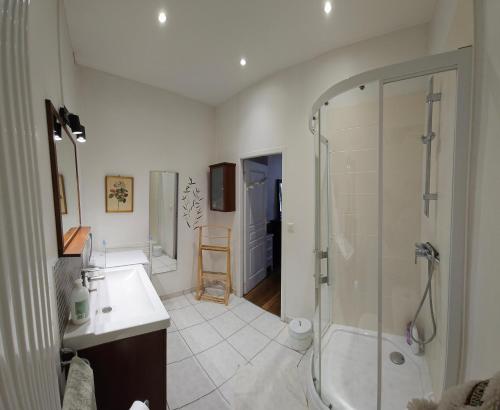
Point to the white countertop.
(135, 309)
(113, 259)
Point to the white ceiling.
(197, 52)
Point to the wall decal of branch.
(192, 204)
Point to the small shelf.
(77, 243)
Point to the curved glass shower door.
(323, 277)
(391, 151)
(347, 281)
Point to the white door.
(255, 223)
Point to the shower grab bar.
(431, 98)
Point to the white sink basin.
(124, 305)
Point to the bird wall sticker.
(192, 200)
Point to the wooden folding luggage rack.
(224, 245)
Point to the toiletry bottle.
(79, 301)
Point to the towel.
(477, 395)
(79, 393)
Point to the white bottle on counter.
(79, 302)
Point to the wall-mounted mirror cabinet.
(71, 236)
(163, 192)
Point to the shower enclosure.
(391, 179)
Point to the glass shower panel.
(322, 317)
(418, 146)
(349, 293)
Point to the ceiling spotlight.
(328, 7)
(74, 124)
(162, 17)
(243, 62)
(82, 137)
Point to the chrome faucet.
(87, 279)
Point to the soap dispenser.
(79, 301)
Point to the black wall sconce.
(57, 131)
(73, 121)
(82, 137)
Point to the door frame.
(241, 178)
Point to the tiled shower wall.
(352, 128)
(436, 229)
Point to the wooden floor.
(267, 294)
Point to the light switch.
(291, 227)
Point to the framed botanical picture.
(62, 196)
(119, 194)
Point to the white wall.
(451, 26)
(483, 333)
(273, 116)
(132, 129)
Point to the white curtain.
(28, 355)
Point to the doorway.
(262, 185)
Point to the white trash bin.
(157, 250)
(300, 332)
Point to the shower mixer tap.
(427, 251)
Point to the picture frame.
(62, 195)
(119, 194)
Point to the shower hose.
(427, 292)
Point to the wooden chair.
(214, 238)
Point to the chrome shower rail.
(427, 140)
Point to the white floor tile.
(212, 401)
(158, 268)
(234, 301)
(248, 341)
(176, 302)
(177, 348)
(200, 337)
(186, 382)
(268, 324)
(185, 317)
(275, 355)
(221, 362)
(191, 297)
(247, 311)
(304, 369)
(284, 339)
(227, 324)
(227, 390)
(209, 310)
(172, 327)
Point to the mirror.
(65, 185)
(163, 187)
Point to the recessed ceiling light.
(162, 17)
(243, 62)
(328, 7)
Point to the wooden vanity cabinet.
(222, 187)
(130, 369)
